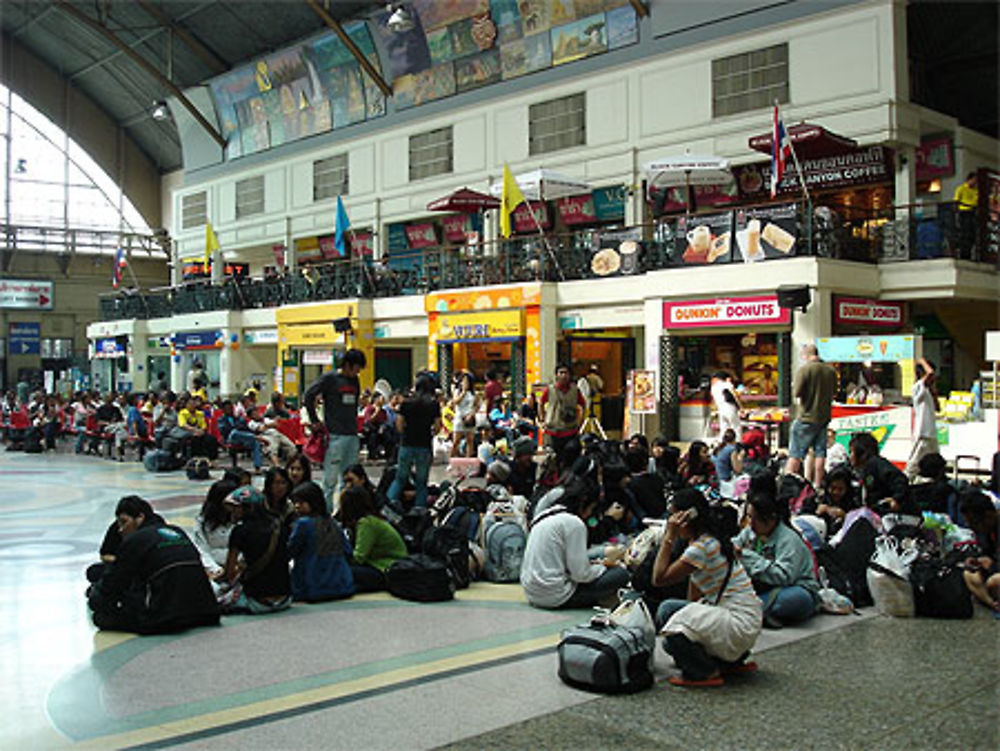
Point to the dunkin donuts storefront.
(748, 337)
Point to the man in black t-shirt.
(419, 418)
(339, 391)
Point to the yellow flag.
(211, 244)
(510, 199)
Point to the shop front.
(116, 350)
(258, 359)
(747, 337)
(310, 338)
(480, 329)
(203, 347)
(861, 381)
(109, 363)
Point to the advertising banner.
(421, 235)
(767, 232)
(522, 217)
(196, 339)
(867, 166)
(868, 348)
(577, 210)
(642, 391)
(704, 239)
(935, 158)
(480, 325)
(734, 311)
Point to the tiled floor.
(375, 673)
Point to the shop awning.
(687, 170)
(464, 200)
(545, 185)
(810, 141)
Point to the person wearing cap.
(522, 471)
(260, 582)
(155, 583)
(561, 410)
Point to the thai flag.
(116, 272)
(781, 151)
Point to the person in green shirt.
(377, 545)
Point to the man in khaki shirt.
(813, 390)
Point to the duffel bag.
(939, 590)
(159, 460)
(606, 658)
(420, 578)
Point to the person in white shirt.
(726, 404)
(555, 570)
(925, 405)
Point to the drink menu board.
(704, 238)
(766, 232)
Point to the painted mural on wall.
(297, 92)
(453, 47)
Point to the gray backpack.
(606, 658)
(504, 541)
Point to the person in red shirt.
(493, 391)
(561, 410)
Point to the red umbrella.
(810, 142)
(464, 200)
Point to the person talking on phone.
(711, 633)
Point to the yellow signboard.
(480, 325)
(305, 334)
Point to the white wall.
(842, 73)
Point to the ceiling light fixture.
(160, 111)
(400, 19)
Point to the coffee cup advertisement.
(704, 239)
(766, 232)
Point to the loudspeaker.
(340, 325)
(794, 296)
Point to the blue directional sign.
(25, 339)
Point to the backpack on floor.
(159, 460)
(846, 565)
(605, 658)
(465, 519)
(939, 590)
(197, 468)
(504, 541)
(451, 547)
(413, 526)
(420, 578)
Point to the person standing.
(925, 405)
(197, 373)
(418, 420)
(339, 391)
(813, 389)
(561, 408)
(726, 404)
(966, 198)
(493, 391)
(596, 384)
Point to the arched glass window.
(51, 182)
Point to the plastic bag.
(889, 578)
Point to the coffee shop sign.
(724, 312)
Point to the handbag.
(315, 448)
(469, 420)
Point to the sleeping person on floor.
(156, 583)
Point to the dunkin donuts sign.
(867, 312)
(731, 311)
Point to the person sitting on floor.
(299, 470)
(696, 467)
(728, 458)
(555, 570)
(319, 548)
(884, 488)
(213, 527)
(840, 496)
(646, 486)
(523, 470)
(778, 562)
(982, 574)
(156, 583)
(257, 561)
(277, 496)
(710, 634)
(377, 544)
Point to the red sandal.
(678, 680)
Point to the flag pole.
(541, 232)
(795, 158)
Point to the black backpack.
(412, 527)
(846, 565)
(420, 578)
(198, 468)
(451, 547)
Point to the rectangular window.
(750, 81)
(431, 153)
(330, 177)
(194, 210)
(557, 124)
(249, 196)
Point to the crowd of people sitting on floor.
(717, 540)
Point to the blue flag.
(340, 229)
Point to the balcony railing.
(890, 235)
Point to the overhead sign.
(261, 336)
(196, 339)
(733, 311)
(108, 348)
(868, 348)
(25, 339)
(317, 357)
(853, 310)
(26, 294)
(479, 325)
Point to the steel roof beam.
(205, 53)
(143, 63)
(334, 24)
